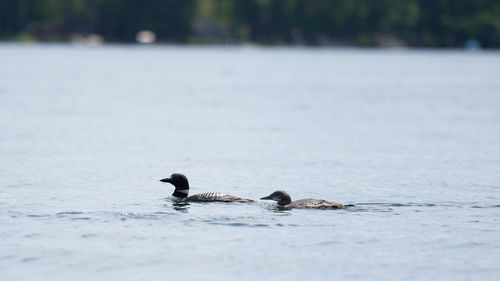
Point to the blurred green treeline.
(437, 23)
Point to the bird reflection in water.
(181, 206)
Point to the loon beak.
(267, 198)
(165, 180)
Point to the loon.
(284, 200)
(182, 190)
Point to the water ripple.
(484, 207)
(68, 213)
(239, 224)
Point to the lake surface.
(410, 136)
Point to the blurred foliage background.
(429, 23)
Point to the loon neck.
(181, 193)
(284, 202)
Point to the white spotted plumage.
(215, 196)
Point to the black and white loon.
(181, 192)
(284, 200)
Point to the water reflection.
(178, 205)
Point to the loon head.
(181, 185)
(279, 196)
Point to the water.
(411, 137)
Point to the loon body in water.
(284, 200)
(181, 192)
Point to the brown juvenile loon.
(181, 192)
(284, 200)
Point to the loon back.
(314, 203)
(215, 197)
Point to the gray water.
(411, 137)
